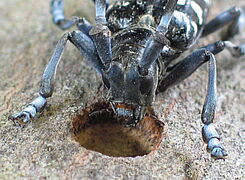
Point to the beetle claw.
(21, 118)
(218, 153)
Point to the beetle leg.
(84, 26)
(236, 51)
(46, 89)
(235, 16)
(100, 33)
(37, 105)
(57, 12)
(85, 45)
(188, 65)
(185, 68)
(209, 133)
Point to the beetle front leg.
(47, 86)
(37, 105)
(184, 69)
(209, 133)
(85, 45)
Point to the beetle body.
(132, 23)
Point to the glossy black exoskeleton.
(133, 46)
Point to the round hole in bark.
(97, 129)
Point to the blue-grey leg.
(188, 65)
(235, 16)
(209, 133)
(84, 26)
(185, 68)
(46, 89)
(58, 15)
(57, 12)
(236, 51)
(30, 111)
(85, 46)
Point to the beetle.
(134, 45)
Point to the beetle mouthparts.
(127, 114)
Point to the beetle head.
(130, 91)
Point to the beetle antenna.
(101, 33)
(158, 40)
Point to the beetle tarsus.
(30, 111)
(21, 118)
(212, 138)
(218, 153)
(236, 51)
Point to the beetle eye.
(106, 82)
(145, 86)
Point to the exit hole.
(97, 129)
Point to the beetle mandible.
(133, 46)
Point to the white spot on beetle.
(125, 3)
(181, 2)
(195, 29)
(198, 10)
